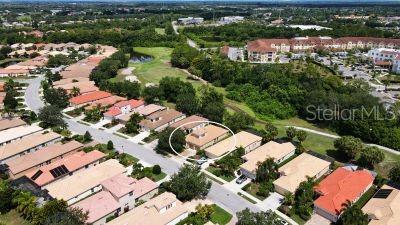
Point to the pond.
(140, 58)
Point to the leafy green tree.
(75, 92)
(25, 203)
(303, 198)
(87, 137)
(72, 216)
(58, 97)
(288, 199)
(182, 55)
(371, 156)
(6, 196)
(51, 116)
(267, 171)
(152, 94)
(10, 103)
(189, 183)
(247, 217)
(212, 104)
(205, 211)
(301, 135)
(352, 215)
(187, 103)
(132, 126)
(238, 121)
(156, 169)
(110, 145)
(291, 133)
(394, 174)
(349, 146)
(178, 141)
(59, 60)
(270, 132)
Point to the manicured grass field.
(12, 218)
(220, 216)
(157, 177)
(159, 67)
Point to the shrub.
(156, 169)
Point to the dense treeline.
(238, 33)
(281, 91)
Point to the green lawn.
(160, 31)
(157, 177)
(159, 67)
(252, 188)
(12, 218)
(220, 216)
(216, 172)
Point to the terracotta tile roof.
(50, 152)
(150, 212)
(84, 180)
(297, 170)
(10, 123)
(134, 103)
(160, 118)
(271, 149)
(70, 80)
(89, 97)
(98, 205)
(113, 111)
(72, 162)
(18, 132)
(28, 142)
(205, 135)
(84, 86)
(243, 139)
(384, 211)
(120, 185)
(149, 109)
(189, 119)
(111, 100)
(340, 186)
(260, 45)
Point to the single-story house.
(143, 111)
(244, 139)
(7, 123)
(384, 207)
(85, 183)
(64, 167)
(83, 86)
(123, 107)
(20, 166)
(27, 144)
(297, 171)
(99, 206)
(15, 133)
(278, 151)
(88, 98)
(191, 123)
(165, 209)
(160, 120)
(204, 137)
(127, 190)
(339, 187)
(70, 80)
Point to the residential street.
(219, 194)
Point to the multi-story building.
(265, 50)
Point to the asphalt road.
(219, 194)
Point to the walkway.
(336, 137)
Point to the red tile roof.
(113, 111)
(261, 45)
(340, 186)
(72, 163)
(90, 97)
(133, 102)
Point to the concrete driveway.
(272, 202)
(317, 220)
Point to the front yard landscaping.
(220, 216)
(253, 189)
(218, 172)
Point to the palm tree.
(75, 91)
(352, 215)
(26, 204)
(288, 199)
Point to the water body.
(140, 58)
